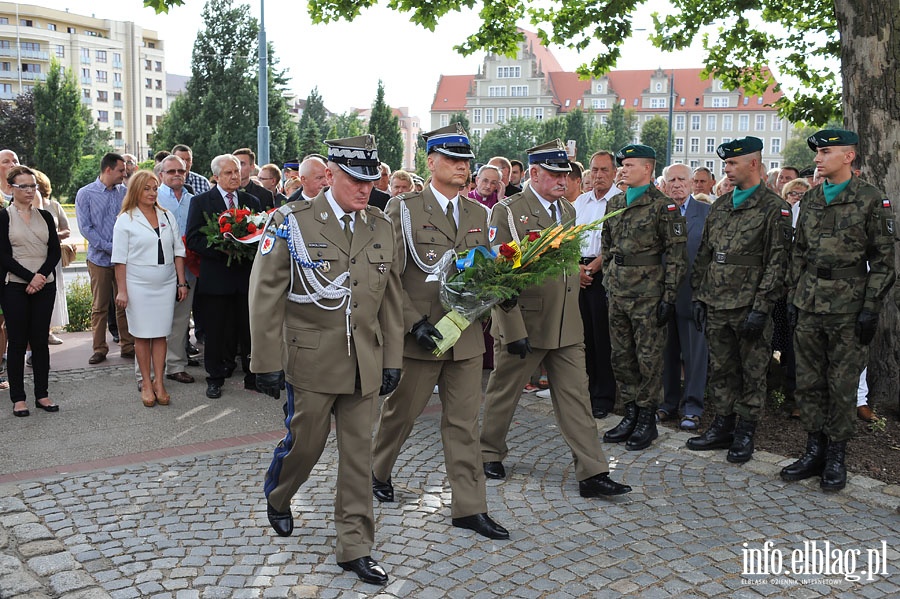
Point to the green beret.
(739, 147)
(832, 137)
(635, 151)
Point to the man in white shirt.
(591, 206)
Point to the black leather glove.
(793, 315)
(423, 331)
(698, 310)
(270, 383)
(664, 313)
(519, 348)
(390, 378)
(752, 327)
(508, 304)
(866, 325)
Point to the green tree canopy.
(348, 124)
(314, 111)
(386, 129)
(311, 140)
(655, 133)
(620, 127)
(461, 118)
(510, 139)
(17, 125)
(59, 127)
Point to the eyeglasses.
(26, 187)
(795, 194)
(175, 171)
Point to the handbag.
(68, 254)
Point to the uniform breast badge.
(324, 266)
(523, 219)
(382, 268)
(323, 215)
(431, 255)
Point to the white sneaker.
(543, 394)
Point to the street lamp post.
(671, 109)
(262, 133)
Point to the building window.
(159, 102)
(148, 102)
(117, 96)
(509, 72)
(695, 145)
(102, 96)
(496, 91)
(760, 122)
(488, 116)
(725, 140)
(598, 88)
(526, 113)
(658, 86)
(6, 89)
(26, 22)
(775, 145)
(71, 30)
(103, 116)
(4, 21)
(657, 102)
(117, 116)
(51, 26)
(30, 68)
(100, 55)
(86, 74)
(501, 115)
(117, 77)
(101, 76)
(157, 66)
(694, 164)
(679, 144)
(148, 64)
(148, 83)
(60, 51)
(679, 122)
(727, 122)
(91, 33)
(117, 59)
(598, 103)
(519, 91)
(6, 66)
(31, 46)
(710, 145)
(4, 44)
(711, 122)
(695, 122)
(744, 122)
(476, 115)
(445, 120)
(539, 113)
(604, 118)
(149, 120)
(774, 164)
(711, 166)
(720, 102)
(85, 56)
(159, 84)
(513, 113)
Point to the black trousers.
(227, 333)
(597, 349)
(27, 322)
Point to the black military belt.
(738, 259)
(649, 260)
(837, 273)
(585, 260)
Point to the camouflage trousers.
(829, 362)
(637, 349)
(737, 367)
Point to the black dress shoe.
(282, 522)
(192, 351)
(382, 491)
(367, 569)
(483, 525)
(213, 391)
(601, 485)
(599, 413)
(494, 470)
(115, 337)
(193, 362)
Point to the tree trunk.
(870, 53)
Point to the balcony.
(7, 96)
(118, 123)
(85, 59)
(118, 143)
(118, 103)
(117, 84)
(36, 54)
(117, 64)
(9, 52)
(9, 75)
(29, 76)
(85, 80)
(86, 100)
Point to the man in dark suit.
(312, 179)
(222, 289)
(248, 165)
(685, 343)
(378, 198)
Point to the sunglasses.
(175, 171)
(26, 187)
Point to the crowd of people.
(678, 302)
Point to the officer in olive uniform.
(841, 269)
(738, 276)
(325, 313)
(545, 327)
(428, 224)
(645, 261)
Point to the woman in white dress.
(148, 255)
(60, 316)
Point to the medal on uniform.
(324, 215)
(382, 268)
(523, 219)
(431, 255)
(324, 266)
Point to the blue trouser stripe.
(273, 474)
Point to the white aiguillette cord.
(332, 290)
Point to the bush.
(80, 301)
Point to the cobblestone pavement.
(195, 526)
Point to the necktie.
(230, 197)
(347, 230)
(451, 218)
(553, 213)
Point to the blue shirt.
(179, 208)
(96, 209)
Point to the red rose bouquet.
(236, 232)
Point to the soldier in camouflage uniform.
(738, 276)
(642, 286)
(842, 268)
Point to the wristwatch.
(183, 285)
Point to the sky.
(346, 60)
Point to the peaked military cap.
(551, 156)
(451, 140)
(357, 156)
(832, 137)
(635, 151)
(292, 164)
(739, 147)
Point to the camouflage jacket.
(854, 231)
(743, 255)
(651, 226)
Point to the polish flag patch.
(785, 212)
(671, 208)
(886, 203)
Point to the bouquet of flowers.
(478, 279)
(236, 232)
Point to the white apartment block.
(533, 85)
(119, 66)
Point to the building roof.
(451, 93)
(542, 54)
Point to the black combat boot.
(644, 431)
(834, 476)
(741, 449)
(810, 463)
(623, 430)
(719, 435)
